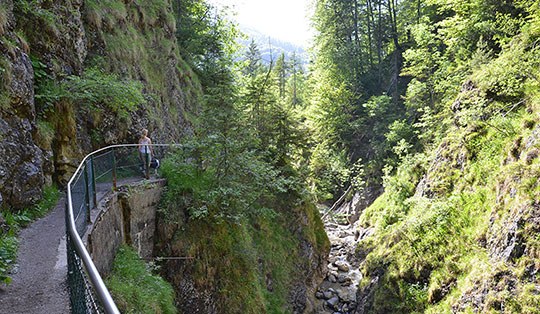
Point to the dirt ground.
(40, 279)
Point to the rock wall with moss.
(456, 230)
(76, 75)
(262, 264)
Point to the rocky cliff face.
(21, 161)
(261, 265)
(45, 43)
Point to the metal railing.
(98, 173)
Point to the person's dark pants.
(145, 159)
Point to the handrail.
(101, 290)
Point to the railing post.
(94, 192)
(113, 169)
(86, 195)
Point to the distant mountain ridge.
(271, 48)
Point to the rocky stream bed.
(337, 293)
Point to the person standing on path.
(145, 152)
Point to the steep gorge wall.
(264, 264)
(44, 128)
(456, 230)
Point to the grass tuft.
(136, 288)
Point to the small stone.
(347, 283)
(332, 278)
(332, 290)
(342, 278)
(342, 266)
(333, 302)
(319, 295)
(327, 295)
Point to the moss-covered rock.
(263, 264)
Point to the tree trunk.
(379, 43)
(369, 18)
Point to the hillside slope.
(456, 229)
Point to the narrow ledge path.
(39, 280)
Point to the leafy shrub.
(95, 90)
(222, 179)
(8, 253)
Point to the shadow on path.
(40, 278)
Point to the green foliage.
(238, 182)
(20, 219)
(3, 18)
(8, 254)
(250, 266)
(5, 79)
(206, 37)
(43, 82)
(222, 186)
(138, 44)
(95, 90)
(440, 207)
(135, 288)
(96, 87)
(36, 9)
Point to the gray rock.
(342, 266)
(328, 295)
(21, 161)
(332, 278)
(319, 295)
(333, 302)
(347, 282)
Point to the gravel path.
(40, 280)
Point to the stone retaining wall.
(126, 216)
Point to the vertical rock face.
(21, 161)
(134, 39)
(261, 265)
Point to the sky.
(286, 20)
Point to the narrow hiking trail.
(39, 279)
